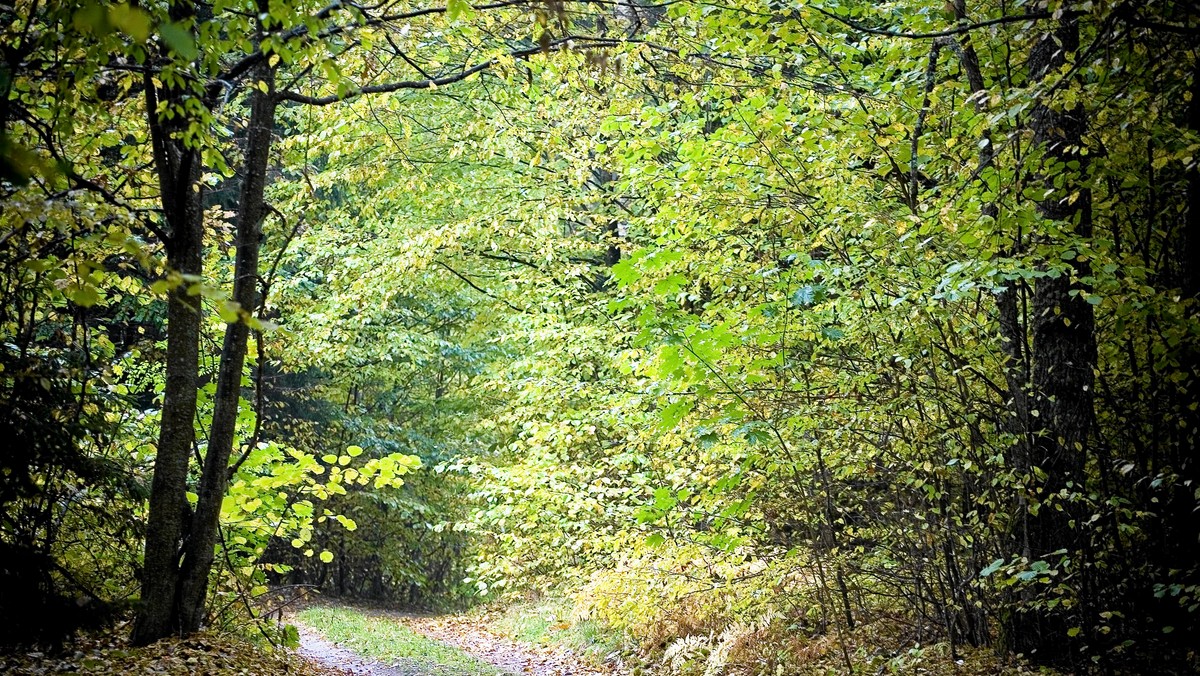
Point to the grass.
(548, 622)
(388, 641)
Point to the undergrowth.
(553, 621)
(679, 612)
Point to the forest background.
(768, 332)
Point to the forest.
(749, 336)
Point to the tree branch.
(480, 289)
(384, 88)
(431, 83)
(247, 62)
(914, 165)
(958, 30)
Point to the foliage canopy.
(769, 329)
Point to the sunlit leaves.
(277, 488)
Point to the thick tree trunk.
(1063, 354)
(199, 553)
(1063, 324)
(179, 170)
(1009, 302)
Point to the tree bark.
(1063, 324)
(1063, 354)
(200, 549)
(179, 169)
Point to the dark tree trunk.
(174, 589)
(179, 171)
(610, 234)
(1063, 324)
(1009, 302)
(1063, 354)
(201, 545)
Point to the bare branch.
(480, 289)
(243, 66)
(560, 44)
(957, 30)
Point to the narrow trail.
(505, 654)
(333, 659)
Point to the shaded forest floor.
(109, 652)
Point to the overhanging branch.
(430, 83)
(243, 66)
(478, 288)
(950, 32)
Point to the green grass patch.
(549, 622)
(387, 640)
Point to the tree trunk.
(1063, 354)
(199, 552)
(1063, 325)
(179, 175)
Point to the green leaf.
(457, 8)
(833, 333)
(808, 295)
(179, 39)
(991, 568)
(228, 311)
(625, 272)
(83, 296)
(132, 21)
(671, 415)
(670, 285)
(91, 18)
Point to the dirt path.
(333, 659)
(505, 654)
